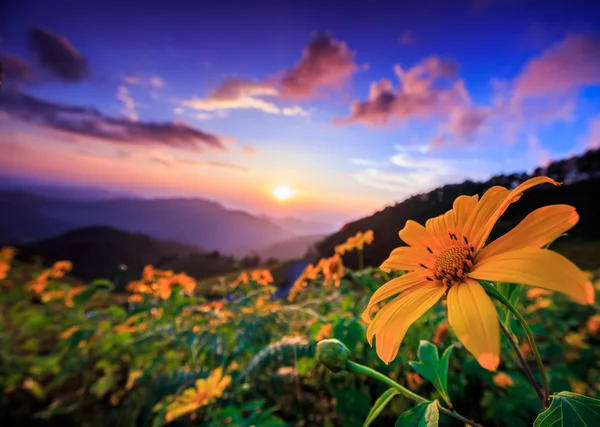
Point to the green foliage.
(425, 414)
(570, 409)
(432, 368)
(379, 405)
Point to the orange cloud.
(565, 67)
(325, 63)
(418, 95)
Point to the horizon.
(347, 116)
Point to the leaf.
(432, 368)
(379, 405)
(570, 409)
(425, 414)
(97, 285)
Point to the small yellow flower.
(448, 256)
(440, 333)
(326, 331)
(502, 380)
(333, 270)
(536, 292)
(593, 324)
(69, 332)
(6, 256)
(196, 397)
(414, 380)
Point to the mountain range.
(29, 216)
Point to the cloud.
(249, 150)
(156, 82)
(90, 122)
(407, 38)
(565, 67)
(429, 88)
(234, 93)
(416, 172)
(15, 71)
(541, 155)
(593, 137)
(325, 63)
(128, 109)
(57, 55)
(173, 162)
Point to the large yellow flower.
(447, 256)
(196, 397)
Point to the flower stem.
(494, 293)
(524, 364)
(365, 370)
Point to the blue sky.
(487, 87)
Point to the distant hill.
(97, 252)
(293, 248)
(301, 227)
(580, 174)
(28, 217)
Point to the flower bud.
(333, 354)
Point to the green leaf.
(570, 409)
(432, 368)
(425, 414)
(383, 400)
(97, 285)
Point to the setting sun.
(283, 192)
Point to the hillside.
(28, 217)
(98, 252)
(580, 174)
(292, 248)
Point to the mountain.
(195, 221)
(98, 252)
(293, 248)
(581, 189)
(301, 227)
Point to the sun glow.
(283, 192)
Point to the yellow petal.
(407, 258)
(440, 226)
(473, 318)
(462, 208)
(537, 229)
(176, 411)
(396, 317)
(537, 267)
(483, 230)
(391, 288)
(414, 234)
(482, 212)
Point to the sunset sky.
(353, 105)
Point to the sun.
(283, 192)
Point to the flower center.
(452, 264)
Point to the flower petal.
(391, 288)
(483, 228)
(537, 229)
(462, 208)
(415, 235)
(392, 322)
(537, 267)
(440, 226)
(473, 318)
(406, 258)
(482, 212)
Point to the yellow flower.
(309, 273)
(6, 256)
(440, 333)
(448, 256)
(196, 397)
(59, 269)
(333, 270)
(262, 277)
(414, 380)
(325, 332)
(52, 295)
(593, 324)
(502, 380)
(69, 332)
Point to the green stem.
(365, 370)
(494, 293)
(523, 364)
